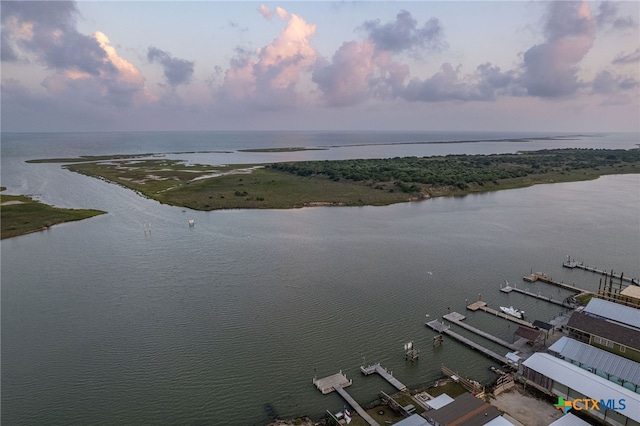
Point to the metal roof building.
(569, 420)
(600, 362)
(572, 382)
(465, 410)
(414, 420)
(499, 421)
(439, 401)
(614, 311)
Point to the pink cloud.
(358, 71)
(267, 13)
(274, 71)
(345, 80)
(551, 68)
(118, 81)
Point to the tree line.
(459, 170)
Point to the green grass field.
(352, 182)
(21, 215)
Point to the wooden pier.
(338, 382)
(539, 276)
(440, 327)
(483, 307)
(377, 368)
(457, 318)
(509, 289)
(572, 264)
(352, 402)
(328, 384)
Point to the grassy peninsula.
(21, 215)
(353, 182)
(289, 149)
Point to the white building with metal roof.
(439, 401)
(614, 311)
(499, 421)
(621, 406)
(617, 369)
(569, 420)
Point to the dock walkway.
(442, 328)
(377, 368)
(457, 318)
(572, 264)
(509, 289)
(337, 382)
(483, 307)
(539, 276)
(352, 402)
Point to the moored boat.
(512, 311)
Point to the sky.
(81, 66)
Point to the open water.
(226, 323)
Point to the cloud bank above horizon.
(573, 66)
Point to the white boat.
(512, 311)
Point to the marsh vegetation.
(22, 215)
(352, 182)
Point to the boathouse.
(609, 366)
(566, 380)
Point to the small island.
(352, 182)
(22, 215)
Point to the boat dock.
(509, 289)
(441, 327)
(457, 318)
(539, 276)
(328, 384)
(572, 264)
(483, 307)
(337, 382)
(377, 368)
(352, 402)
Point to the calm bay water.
(103, 323)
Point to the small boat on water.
(512, 311)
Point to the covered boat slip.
(600, 362)
(569, 381)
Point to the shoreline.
(22, 215)
(353, 183)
